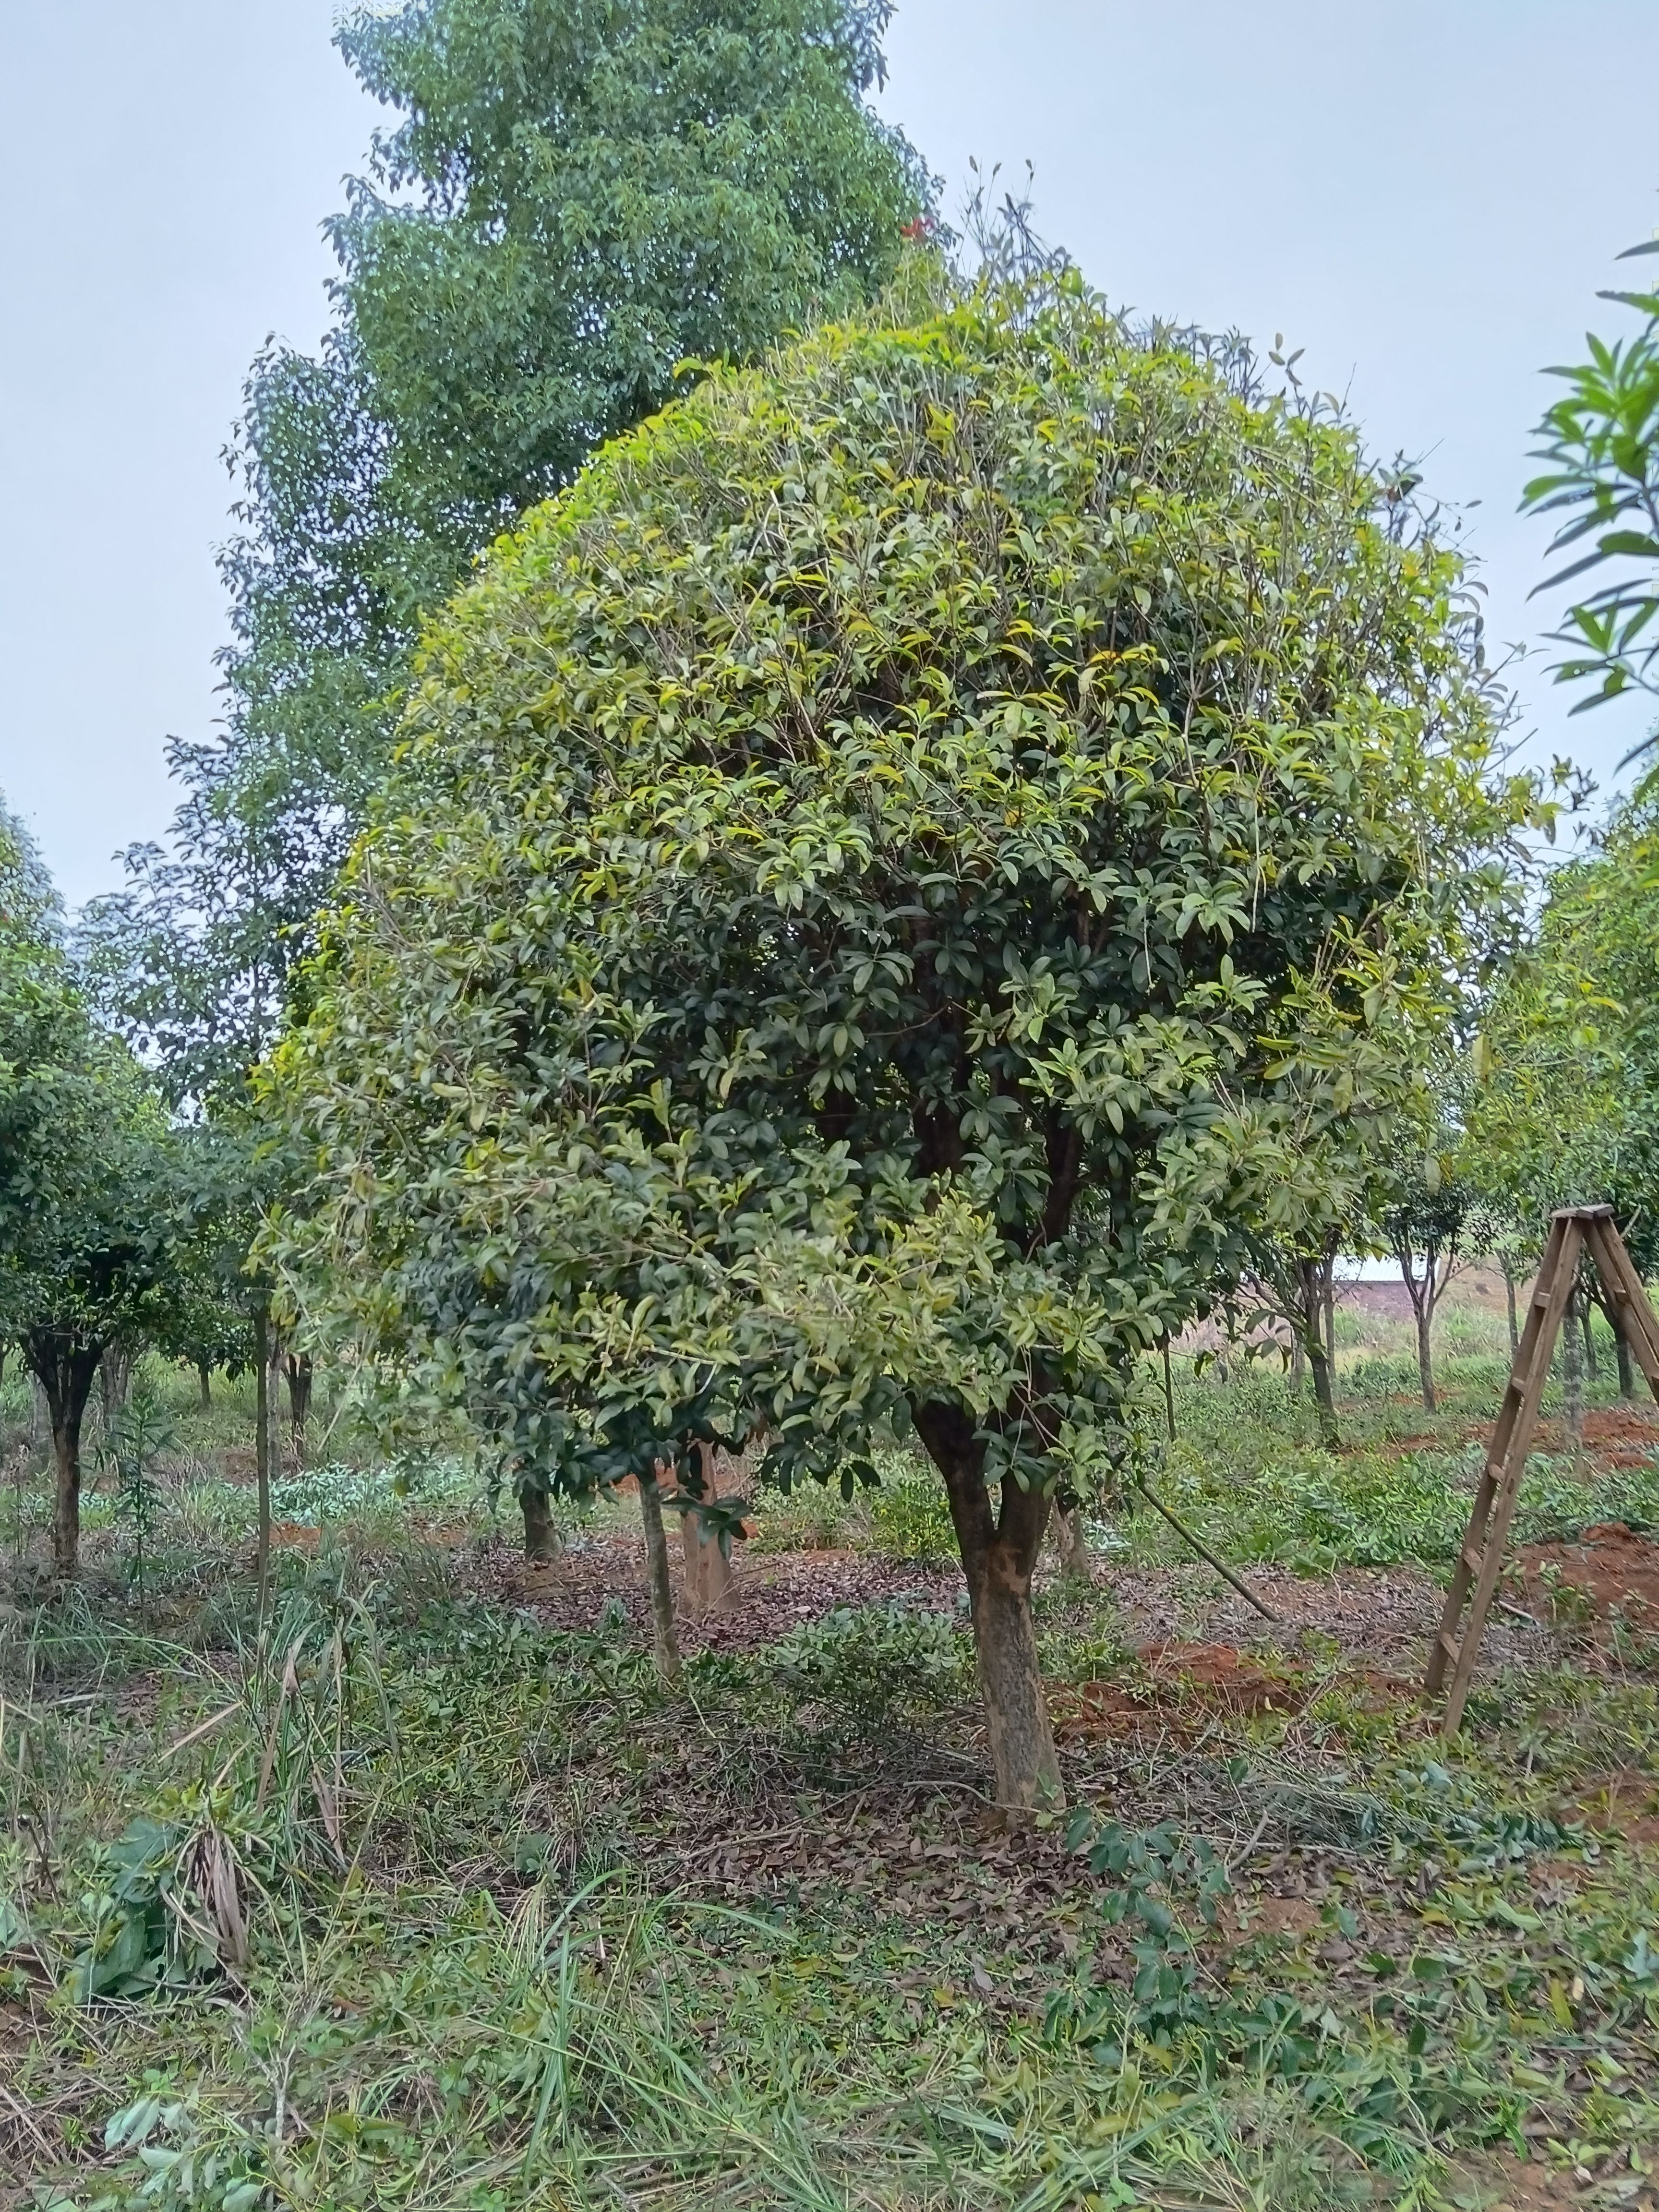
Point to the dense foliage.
(571, 203)
(89, 1198)
(903, 864)
(1600, 455)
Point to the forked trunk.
(999, 1551)
(65, 1364)
(541, 1538)
(296, 1370)
(664, 1638)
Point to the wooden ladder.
(1575, 1231)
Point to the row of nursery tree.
(953, 837)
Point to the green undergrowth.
(407, 1905)
(1246, 1468)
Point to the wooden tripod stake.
(1575, 1231)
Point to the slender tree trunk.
(1298, 1362)
(1328, 1301)
(999, 1552)
(1324, 1396)
(1313, 1318)
(262, 1451)
(1426, 1356)
(1572, 1373)
(1627, 1365)
(64, 1365)
(1592, 1365)
(204, 1376)
(541, 1538)
(297, 1373)
(1070, 1545)
(1515, 1325)
(664, 1639)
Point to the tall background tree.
(572, 205)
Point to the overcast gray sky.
(1424, 197)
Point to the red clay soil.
(1610, 1569)
(1614, 1436)
(1186, 1684)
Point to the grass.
(418, 1902)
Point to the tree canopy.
(895, 871)
(572, 205)
(88, 1198)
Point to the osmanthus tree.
(87, 1183)
(892, 874)
(1561, 1098)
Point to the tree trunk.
(296, 1370)
(541, 1538)
(1572, 1373)
(262, 1451)
(1592, 1365)
(204, 1376)
(1319, 1363)
(1298, 1361)
(1070, 1545)
(664, 1639)
(1515, 1325)
(1626, 1365)
(65, 1364)
(1313, 1329)
(115, 1379)
(1426, 1355)
(999, 1552)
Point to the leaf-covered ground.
(435, 1899)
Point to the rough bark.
(1592, 1365)
(999, 1552)
(541, 1538)
(664, 1638)
(1627, 1365)
(204, 1377)
(1572, 1373)
(64, 1365)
